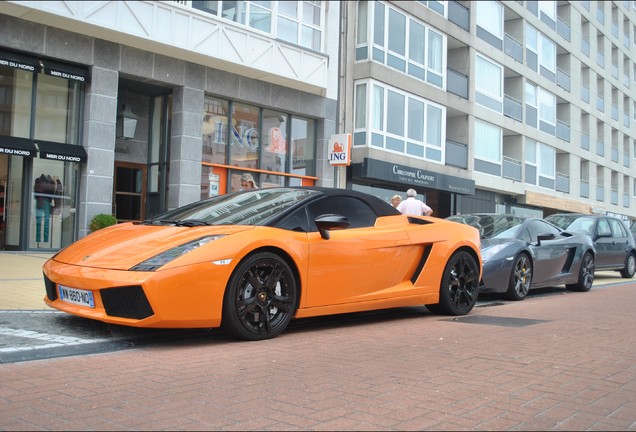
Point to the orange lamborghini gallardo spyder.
(251, 261)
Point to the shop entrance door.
(130, 192)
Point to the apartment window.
(547, 111)
(436, 6)
(488, 142)
(547, 158)
(490, 17)
(542, 52)
(548, 8)
(399, 122)
(489, 83)
(401, 42)
(300, 22)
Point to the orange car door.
(354, 265)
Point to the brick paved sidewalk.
(558, 362)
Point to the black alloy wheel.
(520, 278)
(459, 288)
(586, 274)
(261, 298)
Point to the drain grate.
(497, 321)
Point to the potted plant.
(102, 220)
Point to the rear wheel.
(261, 298)
(520, 278)
(630, 267)
(586, 274)
(460, 286)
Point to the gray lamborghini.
(521, 253)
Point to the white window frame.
(383, 45)
(481, 151)
(488, 7)
(542, 164)
(377, 119)
(542, 96)
(301, 23)
(484, 91)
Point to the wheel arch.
(288, 259)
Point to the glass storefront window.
(53, 209)
(57, 110)
(303, 141)
(16, 88)
(215, 130)
(274, 151)
(244, 136)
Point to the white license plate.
(76, 296)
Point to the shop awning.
(61, 152)
(17, 146)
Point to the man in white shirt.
(413, 206)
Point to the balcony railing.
(615, 70)
(615, 112)
(615, 30)
(585, 189)
(562, 182)
(625, 119)
(585, 46)
(456, 154)
(563, 29)
(626, 159)
(600, 193)
(614, 197)
(585, 93)
(615, 154)
(513, 48)
(563, 79)
(626, 200)
(600, 103)
(626, 40)
(626, 79)
(563, 131)
(459, 14)
(511, 168)
(600, 148)
(585, 141)
(600, 59)
(513, 108)
(456, 82)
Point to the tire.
(520, 278)
(459, 287)
(586, 274)
(630, 267)
(260, 299)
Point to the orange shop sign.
(339, 150)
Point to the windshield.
(490, 226)
(579, 225)
(253, 207)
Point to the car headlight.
(164, 258)
(490, 252)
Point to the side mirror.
(544, 236)
(327, 222)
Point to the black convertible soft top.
(381, 207)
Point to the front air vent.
(126, 302)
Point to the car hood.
(123, 246)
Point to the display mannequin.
(44, 189)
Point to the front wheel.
(459, 287)
(586, 274)
(261, 298)
(630, 267)
(520, 278)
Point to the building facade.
(525, 107)
(132, 108)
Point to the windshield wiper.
(176, 222)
